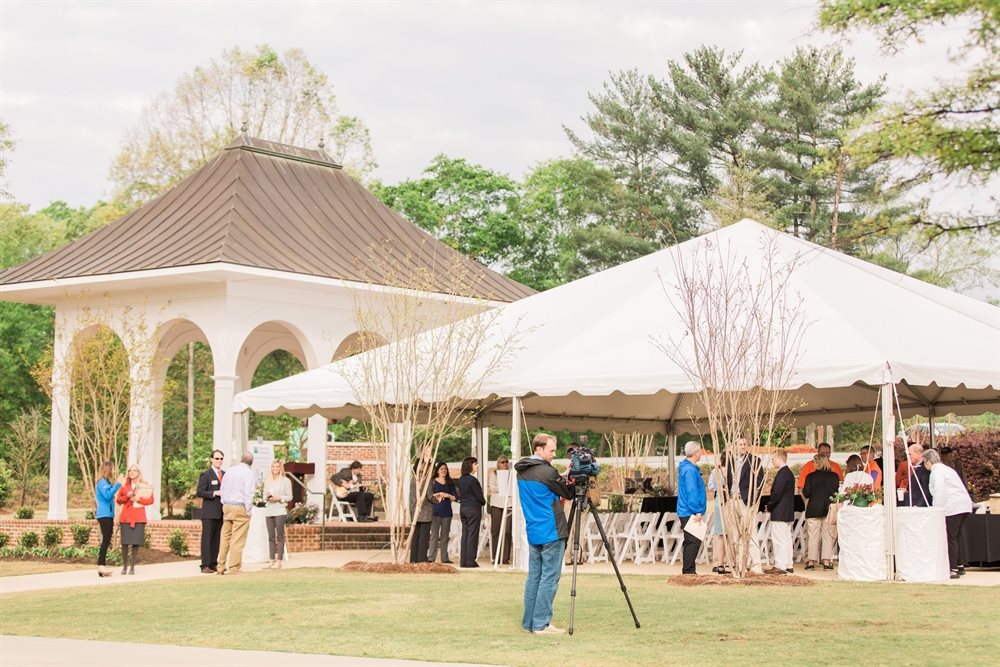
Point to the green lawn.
(476, 617)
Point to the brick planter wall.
(299, 537)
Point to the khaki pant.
(815, 529)
(235, 523)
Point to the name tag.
(215, 482)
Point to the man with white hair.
(950, 494)
(237, 491)
(691, 501)
(913, 479)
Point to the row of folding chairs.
(647, 537)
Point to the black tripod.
(581, 499)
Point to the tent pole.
(930, 426)
(671, 457)
(889, 475)
(519, 550)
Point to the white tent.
(587, 356)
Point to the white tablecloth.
(861, 533)
(921, 544)
(256, 550)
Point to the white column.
(222, 427)
(519, 535)
(889, 474)
(317, 456)
(59, 437)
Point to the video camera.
(583, 464)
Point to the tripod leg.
(575, 520)
(611, 557)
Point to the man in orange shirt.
(824, 449)
(871, 467)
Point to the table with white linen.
(921, 544)
(256, 550)
(861, 534)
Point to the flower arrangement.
(303, 513)
(859, 495)
(258, 496)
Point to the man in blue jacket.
(690, 501)
(540, 488)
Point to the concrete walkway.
(335, 559)
(46, 652)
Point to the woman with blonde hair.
(134, 496)
(277, 493)
(104, 493)
(820, 485)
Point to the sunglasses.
(217, 458)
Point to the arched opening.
(184, 374)
(356, 343)
(273, 351)
(98, 382)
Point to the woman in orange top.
(134, 496)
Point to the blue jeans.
(544, 567)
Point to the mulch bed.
(399, 568)
(750, 579)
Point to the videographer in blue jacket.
(690, 501)
(540, 488)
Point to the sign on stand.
(263, 455)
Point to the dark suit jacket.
(750, 465)
(211, 506)
(918, 487)
(470, 492)
(782, 502)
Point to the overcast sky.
(490, 82)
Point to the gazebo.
(266, 247)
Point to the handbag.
(831, 513)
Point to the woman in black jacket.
(820, 484)
(470, 494)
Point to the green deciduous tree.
(282, 97)
(471, 208)
(952, 131)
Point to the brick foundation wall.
(299, 537)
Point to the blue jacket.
(540, 488)
(690, 490)
(105, 494)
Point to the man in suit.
(746, 473)
(782, 508)
(210, 490)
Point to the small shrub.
(24, 513)
(18, 552)
(52, 537)
(39, 552)
(303, 513)
(76, 553)
(147, 538)
(6, 552)
(4, 539)
(189, 508)
(178, 542)
(81, 534)
(29, 539)
(90, 514)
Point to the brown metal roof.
(273, 206)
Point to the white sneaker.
(550, 630)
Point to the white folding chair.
(799, 537)
(590, 540)
(673, 543)
(643, 546)
(625, 542)
(618, 530)
(344, 509)
(763, 536)
(707, 544)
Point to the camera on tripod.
(583, 465)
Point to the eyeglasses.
(217, 458)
